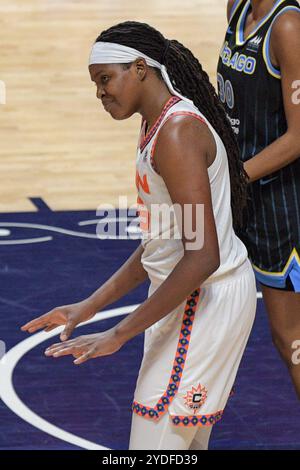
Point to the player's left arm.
(285, 48)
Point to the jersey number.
(225, 91)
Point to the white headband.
(111, 53)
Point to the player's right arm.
(130, 275)
(230, 4)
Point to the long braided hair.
(189, 79)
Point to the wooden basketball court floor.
(61, 156)
(57, 141)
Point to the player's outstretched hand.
(69, 315)
(87, 347)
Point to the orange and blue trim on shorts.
(178, 365)
(166, 399)
(198, 420)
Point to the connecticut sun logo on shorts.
(195, 398)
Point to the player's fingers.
(57, 347)
(50, 328)
(60, 352)
(85, 357)
(35, 324)
(68, 330)
(33, 329)
(63, 352)
(52, 351)
(53, 346)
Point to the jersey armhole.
(177, 113)
(266, 45)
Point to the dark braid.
(190, 80)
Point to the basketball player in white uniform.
(202, 299)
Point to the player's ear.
(140, 68)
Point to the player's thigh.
(283, 309)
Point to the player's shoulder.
(182, 126)
(287, 23)
(183, 139)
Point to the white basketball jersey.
(163, 247)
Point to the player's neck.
(153, 103)
(260, 8)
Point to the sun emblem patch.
(195, 398)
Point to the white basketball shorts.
(192, 355)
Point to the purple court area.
(93, 401)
